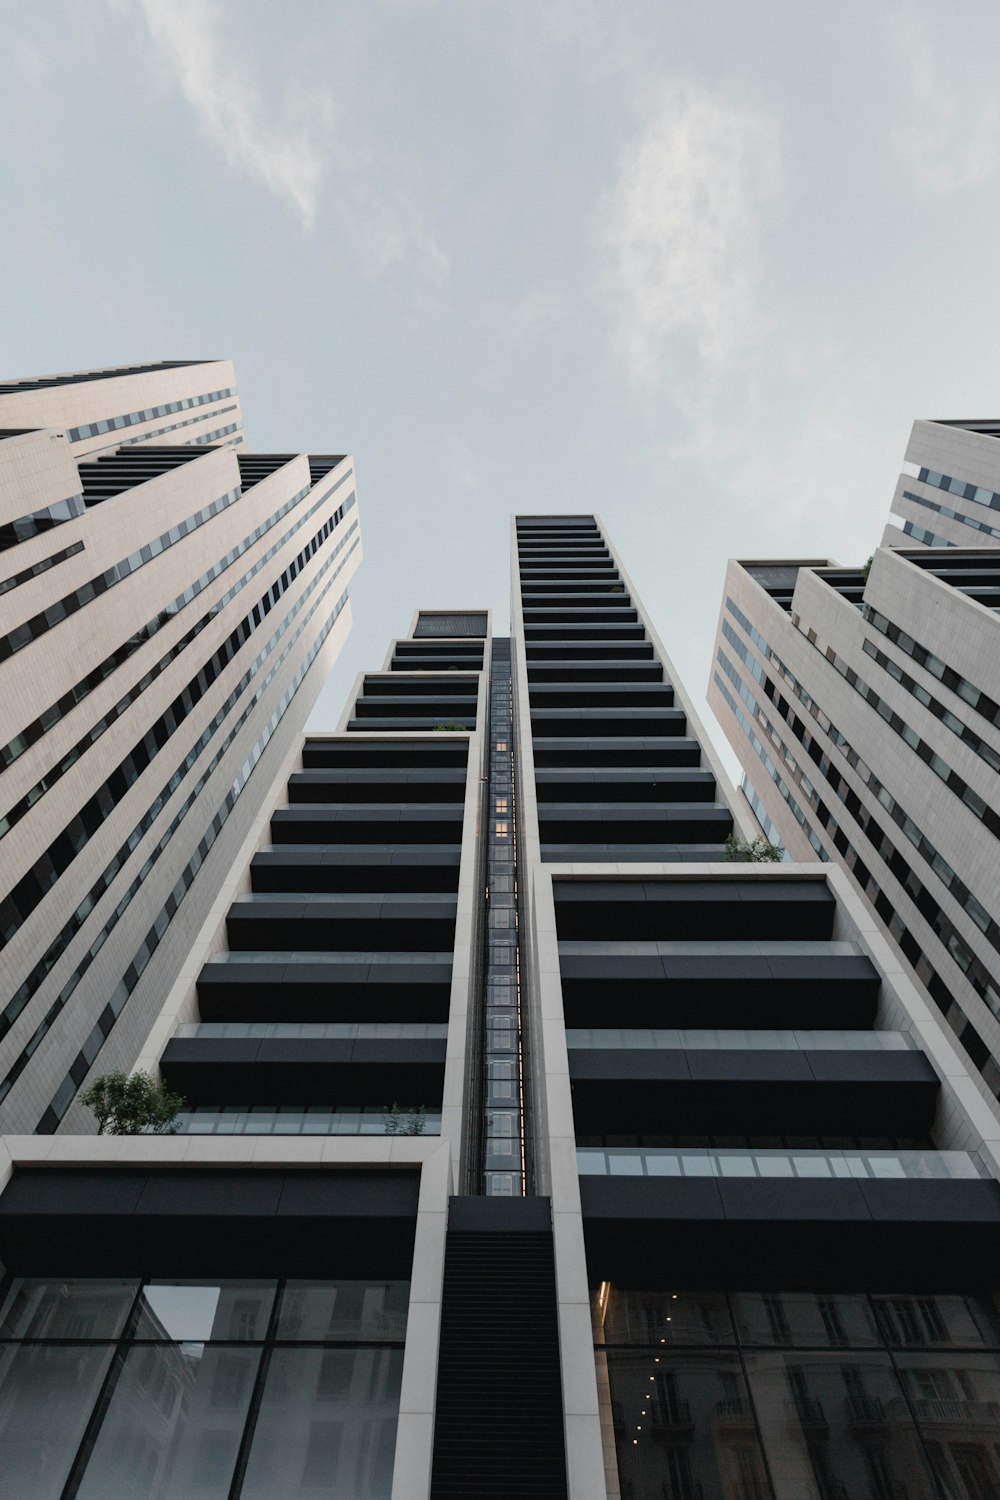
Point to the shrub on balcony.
(136, 1105)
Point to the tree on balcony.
(758, 851)
(136, 1105)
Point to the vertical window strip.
(87, 1056)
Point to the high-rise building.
(865, 709)
(530, 1146)
(948, 494)
(169, 607)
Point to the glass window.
(836, 1426)
(47, 1393)
(684, 1428)
(951, 1321)
(954, 1399)
(326, 1426)
(174, 1424)
(195, 1311)
(344, 1310)
(654, 1318)
(805, 1319)
(58, 1309)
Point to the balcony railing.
(959, 1413)
(291, 1031)
(306, 1121)
(724, 1040)
(879, 1166)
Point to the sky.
(697, 267)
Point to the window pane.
(58, 1309)
(197, 1311)
(684, 1428)
(658, 1317)
(173, 1428)
(941, 1321)
(344, 1310)
(836, 1426)
(805, 1319)
(326, 1426)
(46, 1398)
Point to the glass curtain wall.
(801, 1395)
(195, 1390)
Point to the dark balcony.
(400, 722)
(332, 987)
(409, 921)
(603, 696)
(414, 755)
(606, 787)
(754, 1092)
(614, 670)
(553, 628)
(552, 616)
(368, 823)
(587, 652)
(697, 822)
(356, 867)
(378, 784)
(438, 685)
(615, 751)
(589, 722)
(436, 707)
(440, 663)
(288, 1072)
(819, 990)
(790, 1233)
(238, 1222)
(751, 909)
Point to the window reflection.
(73, 1309)
(173, 1428)
(326, 1426)
(47, 1392)
(684, 1428)
(834, 1395)
(805, 1319)
(190, 1311)
(164, 1391)
(835, 1426)
(344, 1310)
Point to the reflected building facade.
(531, 1145)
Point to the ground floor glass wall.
(801, 1396)
(181, 1390)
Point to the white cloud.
(286, 153)
(945, 131)
(293, 149)
(389, 227)
(684, 223)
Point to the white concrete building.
(865, 711)
(948, 494)
(530, 1147)
(169, 606)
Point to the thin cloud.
(946, 133)
(684, 225)
(285, 154)
(293, 150)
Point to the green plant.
(758, 851)
(124, 1105)
(405, 1122)
(868, 567)
(447, 728)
